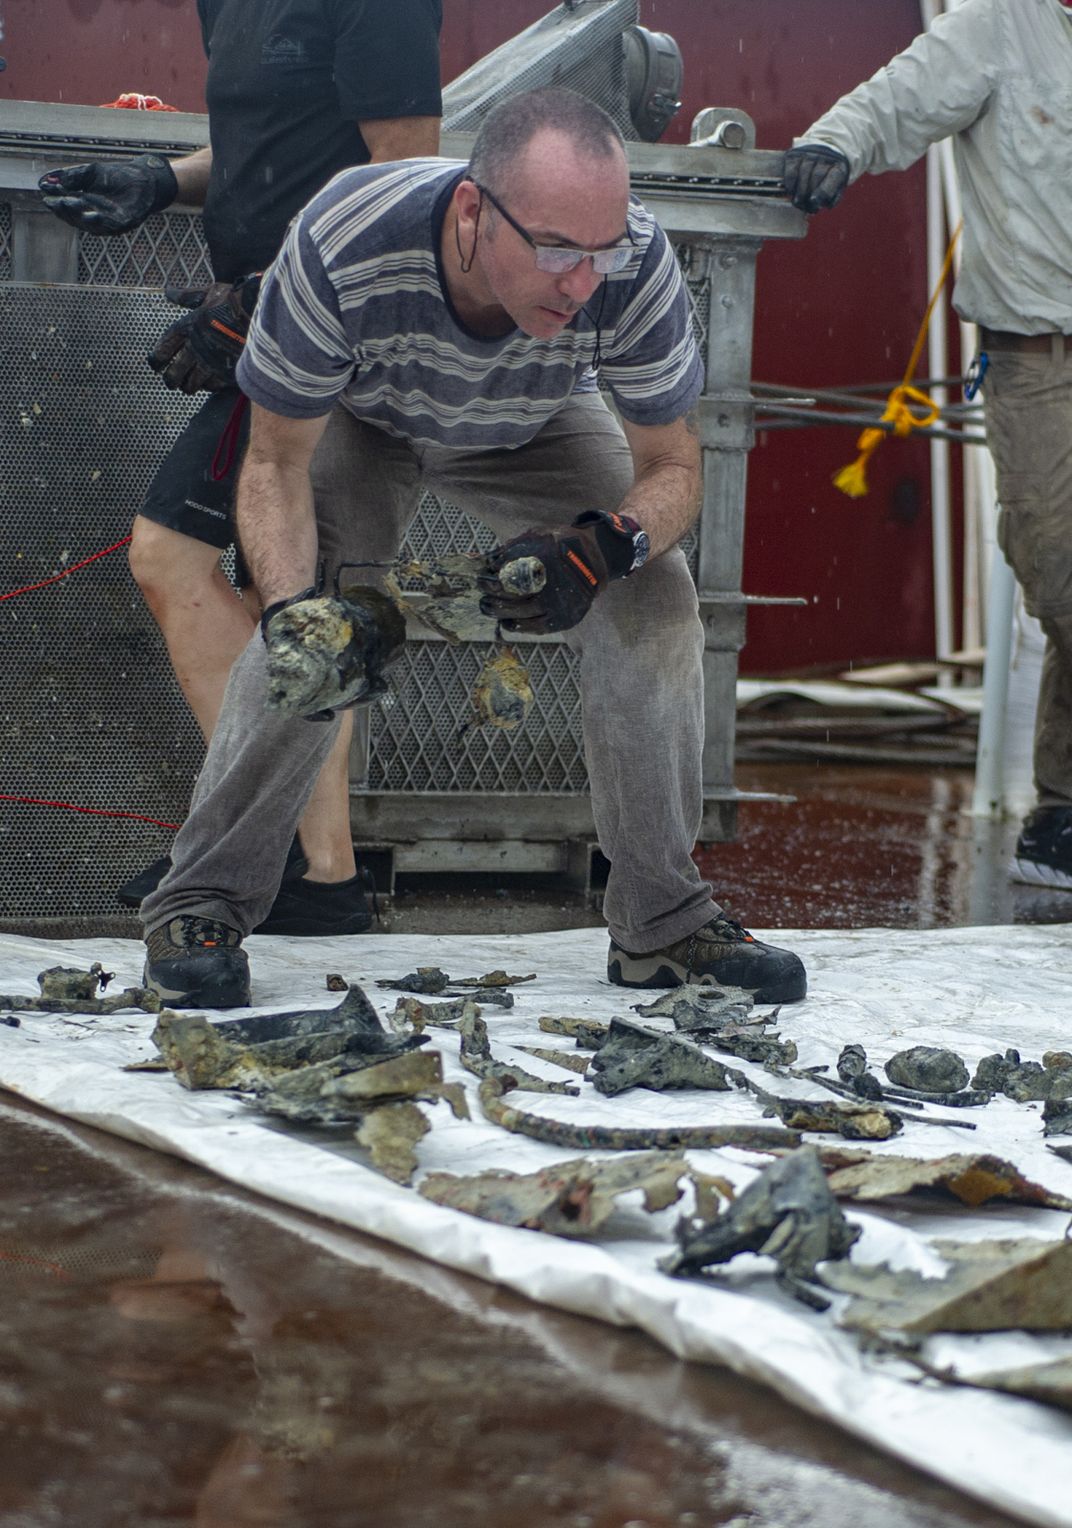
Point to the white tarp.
(975, 990)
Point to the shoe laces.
(724, 927)
(204, 933)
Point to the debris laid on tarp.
(574, 1199)
(927, 1069)
(723, 1018)
(410, 1014)
(635, 1057)
(990, 1286)
(249, 1053)
(588, 1033)
(972, 1178)
(496, 978)
(787, 1213)
(573, 1061)
(477, 1058)
(1057, 1110)
(555, 1132)
(70, 981)
(855, 1081)
(68, 989)
(390, 1135)
(502, 695)
(430, 981)
(1025, 1081)
(863, 1121)
(337, 1092)
(1049, 1383)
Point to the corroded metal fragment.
(862, 1121)
(390, 1135)
(787, 1213)
(477, 1058)
(66, 989)
(502, 695)
(1023, 1081)
(990, 1286)
(588, 1033)
(569, 1059)
(572, 1199)
(69, 981)
(635, 1057)
(697, 1006)
(972, 1178)
(410, 1014)
(555, 1132)
(1057, 1110)
(327, 1094)
(490, 979)
(333, 650)
(426, 980)
(928, 1069)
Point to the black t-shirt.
(288, 82)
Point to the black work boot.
(196, 962)
(1043, 853)
(721, 953)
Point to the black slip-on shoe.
(311, 908)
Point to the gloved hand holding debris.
(110, 197)
(563, 572)
(327, 653)
(815, 176)
(199, 352)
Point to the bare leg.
(205, 626)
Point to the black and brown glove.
(110, 197)
(544, 581)
(200, 351)
(328, 652)
(815, 175)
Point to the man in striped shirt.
(438, 326)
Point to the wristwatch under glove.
(815, 175)
(574, 565)
(110, 196)
(200, 351)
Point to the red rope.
(91, 811)
(28, 588)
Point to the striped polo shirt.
(355, 310)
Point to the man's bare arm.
(192, 174)
(274, 507)
(666, 494)
(401, 138)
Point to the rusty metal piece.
(1057, 1110)
(862, 1121)
(390, 1135)
(428, 981)
(248, 1053)
(449, 602)
(60, 981)
(328, 1094)
(990, 1286)
(635, 1057)
(967, 1099)
(853, 1071)
(927, 1069)
(69, 981)
(490, 979)
(701, 1006)
(1023, 1081)
(572, 1199)
(336, 983)
(972, 1178)
(787, 1213)
(477, 1058)
(502, 695)
(588, 1033)
(569, 1059)
(409, 1014)
(605, 1138)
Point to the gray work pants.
(640, 649)
(1029, 431)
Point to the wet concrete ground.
(173, 1351)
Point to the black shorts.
(194, 486)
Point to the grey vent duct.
(591, 46)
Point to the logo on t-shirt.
(278, 49)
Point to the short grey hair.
(510, 127)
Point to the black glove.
(327, 653)
(815, 175)
(200, 351)
(545, 581)
(111, 196)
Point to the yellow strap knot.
(852, 480)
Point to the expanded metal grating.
(89, 712)
(167, 250)
(5, 241)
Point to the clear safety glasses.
(557, 259)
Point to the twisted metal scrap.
(555, 1132)
(635, 1057)
(477, 1058)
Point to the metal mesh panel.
(5, 241)
(168, 249)
(89, 713)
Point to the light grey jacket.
(996, 75)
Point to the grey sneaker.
(196, 962)
(1043, 853)
(721, 953)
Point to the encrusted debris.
(588, 1033)
(972, 1178)
(927, 1069)
(410, 1014)
(862, 1121)
(325, 1094)
(333, 650)
(502, 696)
(426, 980)
(390, 1135)
(990, 1286)
(248, 1053)
(1025, 1081)
(635, 1057)
(67, 989)
(430, 981)
(571, 1060)
(496, 978)
(555, 1132)
(477, 1058)
(1057, 1110)
(787, 1213)
(69, 981)
(722, 1017)
(573, 1199)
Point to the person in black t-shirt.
(297, 90)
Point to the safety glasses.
(557, 259)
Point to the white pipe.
(988, 797)
(941, 497)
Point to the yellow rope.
(852, 479)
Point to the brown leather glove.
(200, 351)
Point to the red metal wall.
(841, 307)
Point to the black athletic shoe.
(721, 953)
(1043, 853)
(196, 962)
(311, 908)
(133, 892)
